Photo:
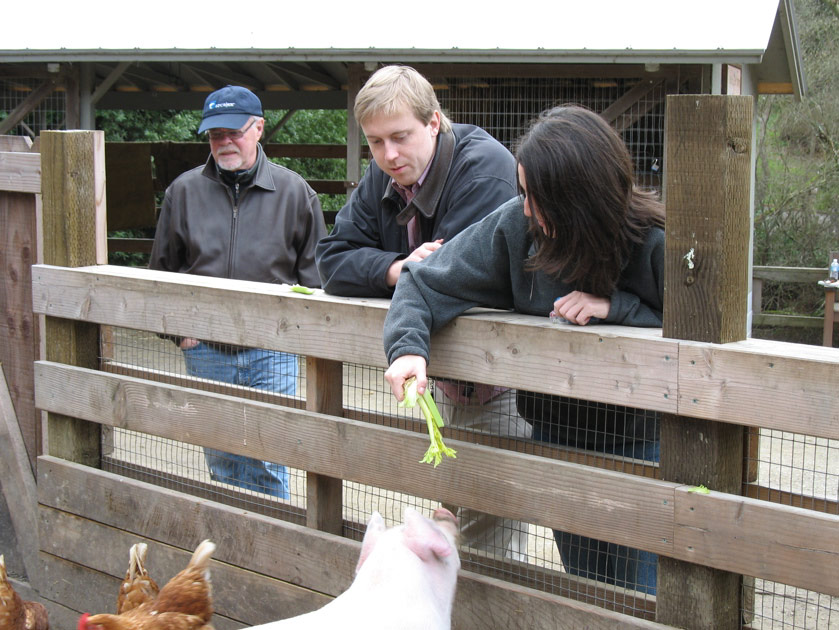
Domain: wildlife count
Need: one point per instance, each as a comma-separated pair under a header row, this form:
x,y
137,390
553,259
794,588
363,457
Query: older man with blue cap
x,y
240,216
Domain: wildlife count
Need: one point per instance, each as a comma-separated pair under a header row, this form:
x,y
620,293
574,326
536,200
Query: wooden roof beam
x,y
310,74
270,78
628,99
222,74
155,79
112,77
189,74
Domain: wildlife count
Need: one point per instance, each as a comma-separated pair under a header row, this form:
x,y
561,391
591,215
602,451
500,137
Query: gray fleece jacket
x,y
485,266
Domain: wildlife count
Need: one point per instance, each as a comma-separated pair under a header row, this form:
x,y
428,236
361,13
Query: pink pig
x,y
405,578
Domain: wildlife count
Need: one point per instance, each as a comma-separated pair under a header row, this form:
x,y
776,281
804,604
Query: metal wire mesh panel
x,y
264,487
505,107
797,470
47,115
774,606
801,471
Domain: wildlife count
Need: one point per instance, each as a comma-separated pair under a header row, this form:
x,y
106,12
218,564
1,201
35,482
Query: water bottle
x,y
834,270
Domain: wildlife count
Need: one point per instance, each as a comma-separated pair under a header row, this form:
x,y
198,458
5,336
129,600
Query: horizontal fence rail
x,y
755,383
760,383
720,530
79,505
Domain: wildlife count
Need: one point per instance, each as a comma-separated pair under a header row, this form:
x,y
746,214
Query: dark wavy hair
x,y
580,180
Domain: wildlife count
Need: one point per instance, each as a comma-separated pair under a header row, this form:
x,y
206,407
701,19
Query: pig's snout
x,y
442,514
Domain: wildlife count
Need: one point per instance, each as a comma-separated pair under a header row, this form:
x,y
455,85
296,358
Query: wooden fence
x,y
699,371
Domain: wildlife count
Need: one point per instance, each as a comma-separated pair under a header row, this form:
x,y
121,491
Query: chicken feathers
x,y
184,603
15,612
190,591
137,587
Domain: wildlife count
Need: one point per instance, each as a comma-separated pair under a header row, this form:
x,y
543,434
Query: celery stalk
x,y
433,420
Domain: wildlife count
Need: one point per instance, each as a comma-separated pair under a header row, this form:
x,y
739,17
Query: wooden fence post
x,y
324,495
20,181
73,189
707,182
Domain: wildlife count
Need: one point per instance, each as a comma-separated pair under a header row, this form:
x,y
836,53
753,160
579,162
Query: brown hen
x,y
184,603
15,612
137,587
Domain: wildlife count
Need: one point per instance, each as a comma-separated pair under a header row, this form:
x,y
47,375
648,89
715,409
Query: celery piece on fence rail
x,y
433,419
299,288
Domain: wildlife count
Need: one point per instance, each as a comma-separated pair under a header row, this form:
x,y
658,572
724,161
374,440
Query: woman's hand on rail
x,y
402,369
578,307
420,253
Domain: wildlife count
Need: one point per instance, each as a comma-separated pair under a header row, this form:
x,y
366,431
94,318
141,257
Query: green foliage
x,y
797,176
797,172
303,127
313,127
148,126
130,259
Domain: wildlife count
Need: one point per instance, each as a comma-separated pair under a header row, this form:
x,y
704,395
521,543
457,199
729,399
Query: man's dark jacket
x,y
267,234
470,176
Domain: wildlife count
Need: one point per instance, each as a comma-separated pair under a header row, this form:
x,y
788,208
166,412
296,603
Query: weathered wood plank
x,y
18,484
238,594
73,188
130,190
74,234
258,544
525,487
20,172
790,274
707,195
19,328
244,539
520,607
707,190
771,320
544,449
60,616
629,366
324,495
131,245
791,545
72,589
555,494
614,364
784,386
16,143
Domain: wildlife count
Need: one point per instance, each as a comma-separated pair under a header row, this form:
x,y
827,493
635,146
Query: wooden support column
x,y
324,495
73,189
707,182
72,99
354,74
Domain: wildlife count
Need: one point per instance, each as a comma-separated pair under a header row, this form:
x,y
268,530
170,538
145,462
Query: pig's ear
x,y
424,538
375,528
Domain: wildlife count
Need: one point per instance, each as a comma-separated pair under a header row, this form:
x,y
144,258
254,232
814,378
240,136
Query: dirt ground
x,y
792,463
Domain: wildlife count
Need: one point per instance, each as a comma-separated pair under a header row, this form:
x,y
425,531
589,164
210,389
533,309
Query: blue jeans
x,y
609,562
251,367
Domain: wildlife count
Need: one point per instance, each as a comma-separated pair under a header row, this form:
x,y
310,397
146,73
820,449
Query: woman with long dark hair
x,y
583,242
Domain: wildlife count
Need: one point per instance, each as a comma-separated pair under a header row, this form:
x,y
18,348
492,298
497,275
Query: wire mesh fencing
x,y
793,469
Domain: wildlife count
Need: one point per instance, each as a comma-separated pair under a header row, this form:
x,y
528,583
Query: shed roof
x,y
321,37
327,27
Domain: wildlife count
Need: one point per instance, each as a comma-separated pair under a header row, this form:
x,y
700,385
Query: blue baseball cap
x,y
229,108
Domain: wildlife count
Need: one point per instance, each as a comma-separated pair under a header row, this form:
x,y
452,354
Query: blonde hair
x,y
393,87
